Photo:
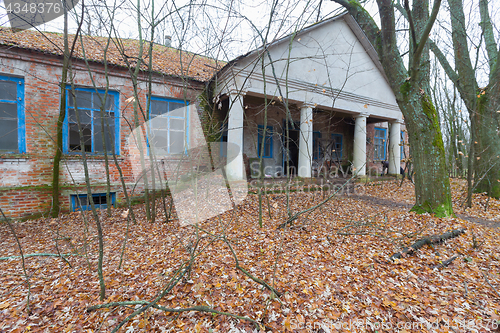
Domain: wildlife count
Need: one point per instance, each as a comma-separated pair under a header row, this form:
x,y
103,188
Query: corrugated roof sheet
x,y
166,60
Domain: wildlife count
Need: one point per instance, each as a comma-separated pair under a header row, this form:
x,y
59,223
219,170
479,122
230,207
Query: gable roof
x,y
351,22
166,60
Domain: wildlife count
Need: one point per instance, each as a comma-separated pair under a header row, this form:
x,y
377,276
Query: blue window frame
x,y
337,146
88,105
81,202
379,144
169,125
268,142
316,145
12,121
402,144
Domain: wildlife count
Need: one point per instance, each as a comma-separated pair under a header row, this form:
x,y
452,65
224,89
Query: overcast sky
x,y
223,29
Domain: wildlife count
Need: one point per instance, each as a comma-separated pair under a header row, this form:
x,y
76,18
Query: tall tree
x,y
411,87
67,54
482,103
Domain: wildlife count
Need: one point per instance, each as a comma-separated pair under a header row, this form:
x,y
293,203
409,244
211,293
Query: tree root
x,y
429,240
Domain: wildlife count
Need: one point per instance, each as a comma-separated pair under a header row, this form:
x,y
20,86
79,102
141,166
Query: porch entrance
x,y
290,148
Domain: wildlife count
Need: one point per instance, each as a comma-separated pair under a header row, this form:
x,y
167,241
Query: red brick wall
x,y
25,179
374,168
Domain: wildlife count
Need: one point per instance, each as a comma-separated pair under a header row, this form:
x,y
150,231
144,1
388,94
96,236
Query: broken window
x,y
12,128
97,113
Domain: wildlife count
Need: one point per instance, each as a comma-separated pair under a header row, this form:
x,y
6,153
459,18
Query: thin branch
x,y
489,36
410,21
255,279
425,35
199,308
296,216
488,281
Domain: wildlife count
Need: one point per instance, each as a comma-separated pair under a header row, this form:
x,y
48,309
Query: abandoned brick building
x,y
324,99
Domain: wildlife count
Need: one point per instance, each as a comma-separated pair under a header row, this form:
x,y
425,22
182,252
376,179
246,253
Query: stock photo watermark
x,y
26,14
375,324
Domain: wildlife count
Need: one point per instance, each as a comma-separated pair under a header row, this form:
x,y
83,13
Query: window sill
x,y
13,159
176,158
78,157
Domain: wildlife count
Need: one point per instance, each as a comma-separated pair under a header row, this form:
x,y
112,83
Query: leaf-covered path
x,y
332,266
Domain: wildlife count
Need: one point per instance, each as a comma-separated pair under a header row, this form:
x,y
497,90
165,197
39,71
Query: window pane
x,y
159,123
109,130
81,201
175,105
158,107
176,142
176,110
159,142
99,98
267,149
71,116
177,124
83,99
337,146
379,144
8,90
8,111
100,199
74,138
267,141
8,135
85,118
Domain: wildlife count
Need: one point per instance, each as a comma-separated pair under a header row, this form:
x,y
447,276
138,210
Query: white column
x,y
394,147
359,154
235,168
305,141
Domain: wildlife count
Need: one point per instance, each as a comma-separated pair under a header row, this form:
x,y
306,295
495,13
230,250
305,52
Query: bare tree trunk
x,y
432,187
482,104
56,207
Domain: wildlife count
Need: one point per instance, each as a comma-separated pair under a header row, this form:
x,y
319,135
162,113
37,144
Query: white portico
x,y
318,95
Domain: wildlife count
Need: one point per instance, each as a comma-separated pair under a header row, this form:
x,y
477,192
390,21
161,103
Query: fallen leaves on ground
x,y
331,265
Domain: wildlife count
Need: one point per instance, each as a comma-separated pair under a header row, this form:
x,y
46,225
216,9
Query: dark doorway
x,y
291,145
